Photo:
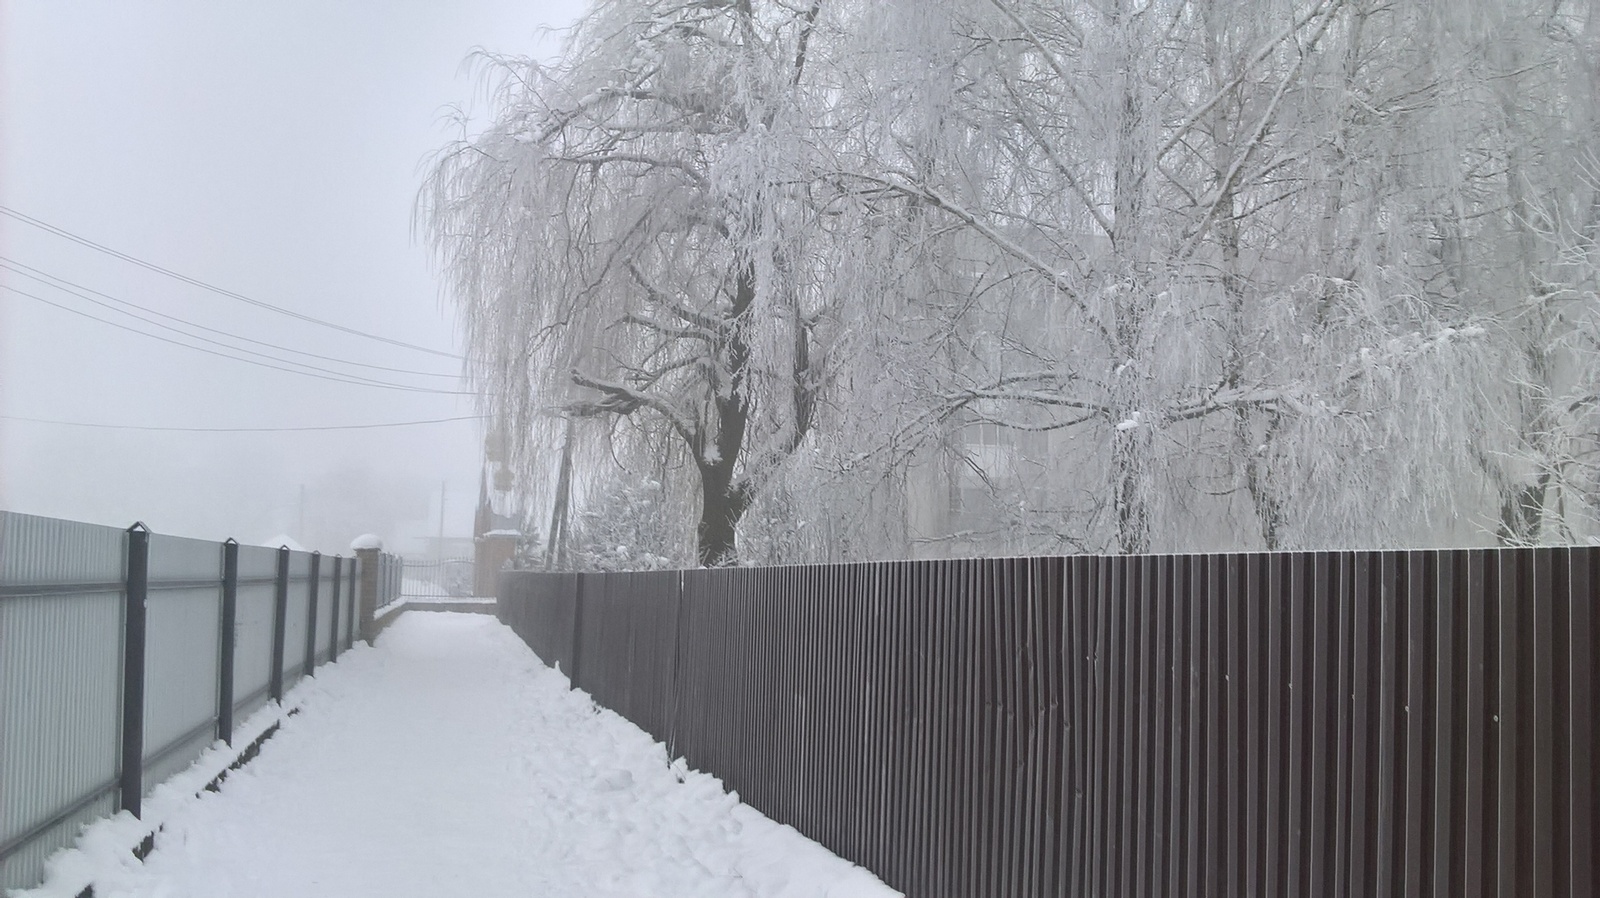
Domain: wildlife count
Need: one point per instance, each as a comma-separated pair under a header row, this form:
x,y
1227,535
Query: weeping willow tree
x,y
633,238
847,280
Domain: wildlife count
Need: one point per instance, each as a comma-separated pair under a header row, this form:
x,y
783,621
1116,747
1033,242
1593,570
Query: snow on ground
x,y
448,761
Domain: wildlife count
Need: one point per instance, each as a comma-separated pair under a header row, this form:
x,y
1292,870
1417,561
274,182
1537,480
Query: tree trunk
x,y
555,550
720,510
722,501
1522,513
1129,446
1133,513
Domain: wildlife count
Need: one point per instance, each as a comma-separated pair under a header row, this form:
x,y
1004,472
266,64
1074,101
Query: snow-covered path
x,y
448,761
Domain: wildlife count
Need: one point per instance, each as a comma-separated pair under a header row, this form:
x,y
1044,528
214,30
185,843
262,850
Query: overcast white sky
x,y
273,149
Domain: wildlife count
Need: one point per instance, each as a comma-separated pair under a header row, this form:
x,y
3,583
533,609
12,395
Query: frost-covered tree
x,y
1202,253
633,236
618,526
1559,499
1051,275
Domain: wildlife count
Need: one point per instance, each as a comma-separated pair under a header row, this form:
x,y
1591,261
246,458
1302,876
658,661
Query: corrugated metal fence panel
x,y
182,649
543,616
252,628
295,620
183,560
60,689
1288,724
35,550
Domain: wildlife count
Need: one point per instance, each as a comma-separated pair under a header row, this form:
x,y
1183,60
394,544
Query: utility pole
x,y
438,548
555,549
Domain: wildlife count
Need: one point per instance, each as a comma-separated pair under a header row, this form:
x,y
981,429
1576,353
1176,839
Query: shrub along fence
x,y
1349,723
124,654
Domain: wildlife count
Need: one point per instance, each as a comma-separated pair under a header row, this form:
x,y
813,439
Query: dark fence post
x,y
674,685
311,613
367,598
350,605
577,629
138,578
280,614
333,626
230,614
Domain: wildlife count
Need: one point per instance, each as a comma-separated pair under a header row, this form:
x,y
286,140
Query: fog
x,y
273,151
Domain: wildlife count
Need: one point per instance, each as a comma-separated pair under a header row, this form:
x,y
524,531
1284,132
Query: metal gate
x,y
449,578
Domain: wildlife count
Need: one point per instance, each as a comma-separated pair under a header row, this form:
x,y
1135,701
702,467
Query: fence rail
x,y
124,654
447,578
1406,723
390,580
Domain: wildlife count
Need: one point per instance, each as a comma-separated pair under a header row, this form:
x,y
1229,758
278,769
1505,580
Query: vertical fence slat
x,y
1539,838
971,747
1054,760
1126,670
1194,838
1160,586
1448,749
1233,688
1389,733
1276,834
949,843
1078,639
1099,779
1583,578
1146,654
904,825
1215,795
1510,719
1419,714
1177,789
1250,633
1476,850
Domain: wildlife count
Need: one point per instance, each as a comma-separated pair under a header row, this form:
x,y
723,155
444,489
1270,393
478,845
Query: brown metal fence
x,y
1350,723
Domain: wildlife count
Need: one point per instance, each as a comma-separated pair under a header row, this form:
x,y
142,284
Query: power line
x,y
352,379
343,376
336,377
196,282
151,427
72,287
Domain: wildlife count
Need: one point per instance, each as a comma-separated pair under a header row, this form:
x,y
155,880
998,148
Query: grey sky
x,y
273,149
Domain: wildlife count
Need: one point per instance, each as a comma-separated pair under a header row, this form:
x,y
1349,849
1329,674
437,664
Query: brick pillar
x,y
368,550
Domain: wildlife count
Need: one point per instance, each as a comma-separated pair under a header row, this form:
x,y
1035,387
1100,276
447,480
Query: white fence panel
x,y
60,685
